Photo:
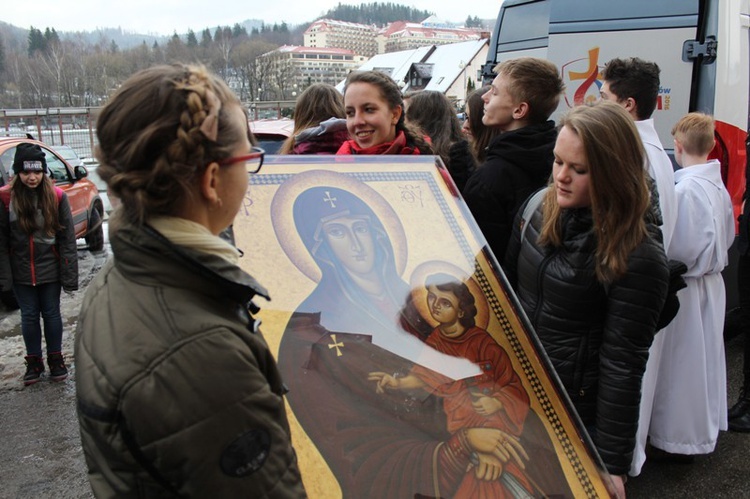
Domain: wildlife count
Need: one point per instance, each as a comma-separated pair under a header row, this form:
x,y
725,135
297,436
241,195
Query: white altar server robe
x,y
690,398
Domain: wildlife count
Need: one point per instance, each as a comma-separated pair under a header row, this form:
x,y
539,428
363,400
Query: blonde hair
x,y
618,187
151,148
695,131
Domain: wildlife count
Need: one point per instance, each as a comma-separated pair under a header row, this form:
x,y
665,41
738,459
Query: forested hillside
x,y
378,13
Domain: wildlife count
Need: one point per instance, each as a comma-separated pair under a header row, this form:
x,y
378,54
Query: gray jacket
x,y
178,393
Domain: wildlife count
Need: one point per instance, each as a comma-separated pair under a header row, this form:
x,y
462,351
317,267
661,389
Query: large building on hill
x,y
397,36
289,69
401,35
359,38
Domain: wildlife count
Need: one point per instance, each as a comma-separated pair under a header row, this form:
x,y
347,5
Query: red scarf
x,y
397,146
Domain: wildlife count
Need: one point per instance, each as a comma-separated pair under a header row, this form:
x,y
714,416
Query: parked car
x,y
69,154
85,201
92,167
271,133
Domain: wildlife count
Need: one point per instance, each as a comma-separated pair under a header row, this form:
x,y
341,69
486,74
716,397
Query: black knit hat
x,y
29,158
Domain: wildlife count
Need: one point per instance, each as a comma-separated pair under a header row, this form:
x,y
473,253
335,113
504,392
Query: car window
x,y
6,165
68,154
57,169
6,160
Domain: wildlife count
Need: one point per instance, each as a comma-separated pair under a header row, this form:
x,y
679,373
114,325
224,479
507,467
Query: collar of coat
x,y
144,255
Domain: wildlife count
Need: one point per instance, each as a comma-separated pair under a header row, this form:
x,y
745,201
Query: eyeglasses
x,y
253,161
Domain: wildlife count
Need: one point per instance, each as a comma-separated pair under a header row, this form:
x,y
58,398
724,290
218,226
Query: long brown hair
x,y
481,134
433,113
392,95
27,201
151,147
619,192
319,102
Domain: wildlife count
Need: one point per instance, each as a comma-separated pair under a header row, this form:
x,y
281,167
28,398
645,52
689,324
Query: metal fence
x,y
73,127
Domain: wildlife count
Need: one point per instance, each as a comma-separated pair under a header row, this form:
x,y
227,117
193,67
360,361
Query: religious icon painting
x,y
410,371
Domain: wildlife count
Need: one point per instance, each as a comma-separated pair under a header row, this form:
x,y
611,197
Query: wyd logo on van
x,y
583,81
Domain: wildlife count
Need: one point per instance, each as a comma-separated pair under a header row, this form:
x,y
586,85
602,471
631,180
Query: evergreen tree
x,y
238,31
113,48
51,37
192,40
206,38
37,42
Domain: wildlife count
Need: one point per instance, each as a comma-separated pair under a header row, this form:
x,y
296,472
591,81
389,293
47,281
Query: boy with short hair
x,y
524,94
634,84
690,402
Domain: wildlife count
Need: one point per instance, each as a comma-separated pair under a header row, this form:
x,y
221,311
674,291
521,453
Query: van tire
x,y
95,235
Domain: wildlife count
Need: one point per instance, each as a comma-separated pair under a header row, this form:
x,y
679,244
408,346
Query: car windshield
x,y
67,153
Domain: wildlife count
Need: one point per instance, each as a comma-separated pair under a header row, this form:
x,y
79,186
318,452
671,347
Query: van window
x,y
595,15
524,26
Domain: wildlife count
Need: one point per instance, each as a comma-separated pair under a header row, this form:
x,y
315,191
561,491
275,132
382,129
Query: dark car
x,y
271,133
85,202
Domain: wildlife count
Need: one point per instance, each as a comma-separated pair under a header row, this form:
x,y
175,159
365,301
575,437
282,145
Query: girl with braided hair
x,y
375,117
178,393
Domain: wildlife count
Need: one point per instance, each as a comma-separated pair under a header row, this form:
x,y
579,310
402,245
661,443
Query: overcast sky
x,y
164,17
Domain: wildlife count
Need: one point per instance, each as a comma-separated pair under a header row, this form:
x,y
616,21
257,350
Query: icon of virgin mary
x,y
357,320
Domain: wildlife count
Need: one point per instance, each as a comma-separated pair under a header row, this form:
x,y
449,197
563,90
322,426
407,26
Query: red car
x,y
83,195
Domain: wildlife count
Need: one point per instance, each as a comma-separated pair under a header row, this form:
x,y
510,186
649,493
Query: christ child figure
x,y
495,398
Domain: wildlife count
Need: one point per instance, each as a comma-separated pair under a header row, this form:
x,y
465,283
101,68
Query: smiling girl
x,y
375,117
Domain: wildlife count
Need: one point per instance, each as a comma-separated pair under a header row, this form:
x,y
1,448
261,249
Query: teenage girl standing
x,y
375,117
38,257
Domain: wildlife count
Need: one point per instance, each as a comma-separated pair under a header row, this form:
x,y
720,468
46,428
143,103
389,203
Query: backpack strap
x,y
5,196
531,205
59,193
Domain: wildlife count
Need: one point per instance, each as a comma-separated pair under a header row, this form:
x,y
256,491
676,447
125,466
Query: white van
x,y
701,46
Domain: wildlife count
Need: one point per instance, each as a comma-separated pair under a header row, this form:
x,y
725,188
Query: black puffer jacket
x,y
518,163
597,339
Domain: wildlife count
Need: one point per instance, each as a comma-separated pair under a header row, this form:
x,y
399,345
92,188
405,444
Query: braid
x,y
151,144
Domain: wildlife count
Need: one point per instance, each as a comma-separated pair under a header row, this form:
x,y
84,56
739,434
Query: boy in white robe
x,y
690,396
